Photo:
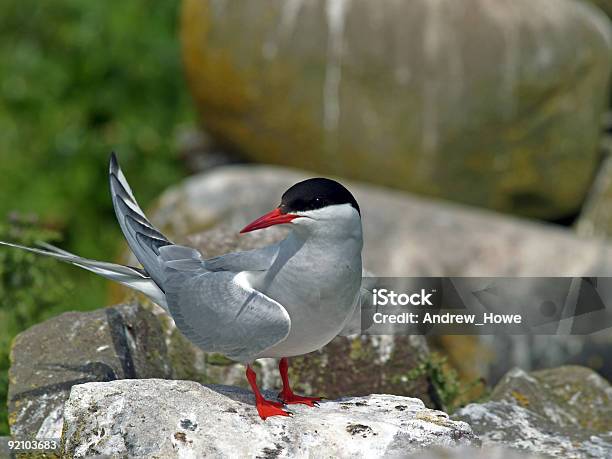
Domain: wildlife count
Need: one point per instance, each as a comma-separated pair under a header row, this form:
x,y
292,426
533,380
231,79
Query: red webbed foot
x,y
287,395
289,398
265,408
268,408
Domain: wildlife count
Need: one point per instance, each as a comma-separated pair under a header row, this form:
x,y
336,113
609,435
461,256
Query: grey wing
x,y
252,260
143,238
219,311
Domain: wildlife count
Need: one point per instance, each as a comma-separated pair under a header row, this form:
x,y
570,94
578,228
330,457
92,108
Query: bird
x,y
280,301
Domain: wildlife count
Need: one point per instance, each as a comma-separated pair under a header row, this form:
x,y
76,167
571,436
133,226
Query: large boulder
x,y
488,103
158,418
124,341
562,412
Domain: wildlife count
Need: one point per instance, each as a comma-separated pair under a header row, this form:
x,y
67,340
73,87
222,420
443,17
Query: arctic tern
x,y
283,300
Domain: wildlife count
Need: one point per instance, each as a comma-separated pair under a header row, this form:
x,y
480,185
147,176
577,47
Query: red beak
x,y
275,217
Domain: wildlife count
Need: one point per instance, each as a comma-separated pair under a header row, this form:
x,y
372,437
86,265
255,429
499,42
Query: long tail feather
x,y
134,278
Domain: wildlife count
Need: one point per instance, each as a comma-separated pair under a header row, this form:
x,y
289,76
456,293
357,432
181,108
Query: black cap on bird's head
x,y
308,195
316,193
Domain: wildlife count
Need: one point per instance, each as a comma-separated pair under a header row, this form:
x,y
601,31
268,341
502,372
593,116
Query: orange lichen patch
x,y
520,398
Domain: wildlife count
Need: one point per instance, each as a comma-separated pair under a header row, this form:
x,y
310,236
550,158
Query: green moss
x,y
218,359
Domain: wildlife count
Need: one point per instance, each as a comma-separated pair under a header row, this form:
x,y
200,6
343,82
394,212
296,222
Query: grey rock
x,y
198,152
562,412
159,418
118,342
5,451
514,426
484,102
224,238
572,397
404,235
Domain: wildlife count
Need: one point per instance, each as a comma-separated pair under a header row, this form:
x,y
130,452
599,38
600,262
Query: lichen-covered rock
x,y
47,359
562,412
493,108
570,396
158,418
517,427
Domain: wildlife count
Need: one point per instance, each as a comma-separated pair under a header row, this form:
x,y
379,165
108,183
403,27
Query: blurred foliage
x,y
79,79
30,291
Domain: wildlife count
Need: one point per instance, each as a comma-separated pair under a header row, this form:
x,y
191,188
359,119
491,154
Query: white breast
x,y
317,280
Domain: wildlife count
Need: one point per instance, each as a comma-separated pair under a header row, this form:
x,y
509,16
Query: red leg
x,y
287,395
265,408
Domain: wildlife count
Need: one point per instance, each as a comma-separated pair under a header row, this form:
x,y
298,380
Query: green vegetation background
x,y
79,79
